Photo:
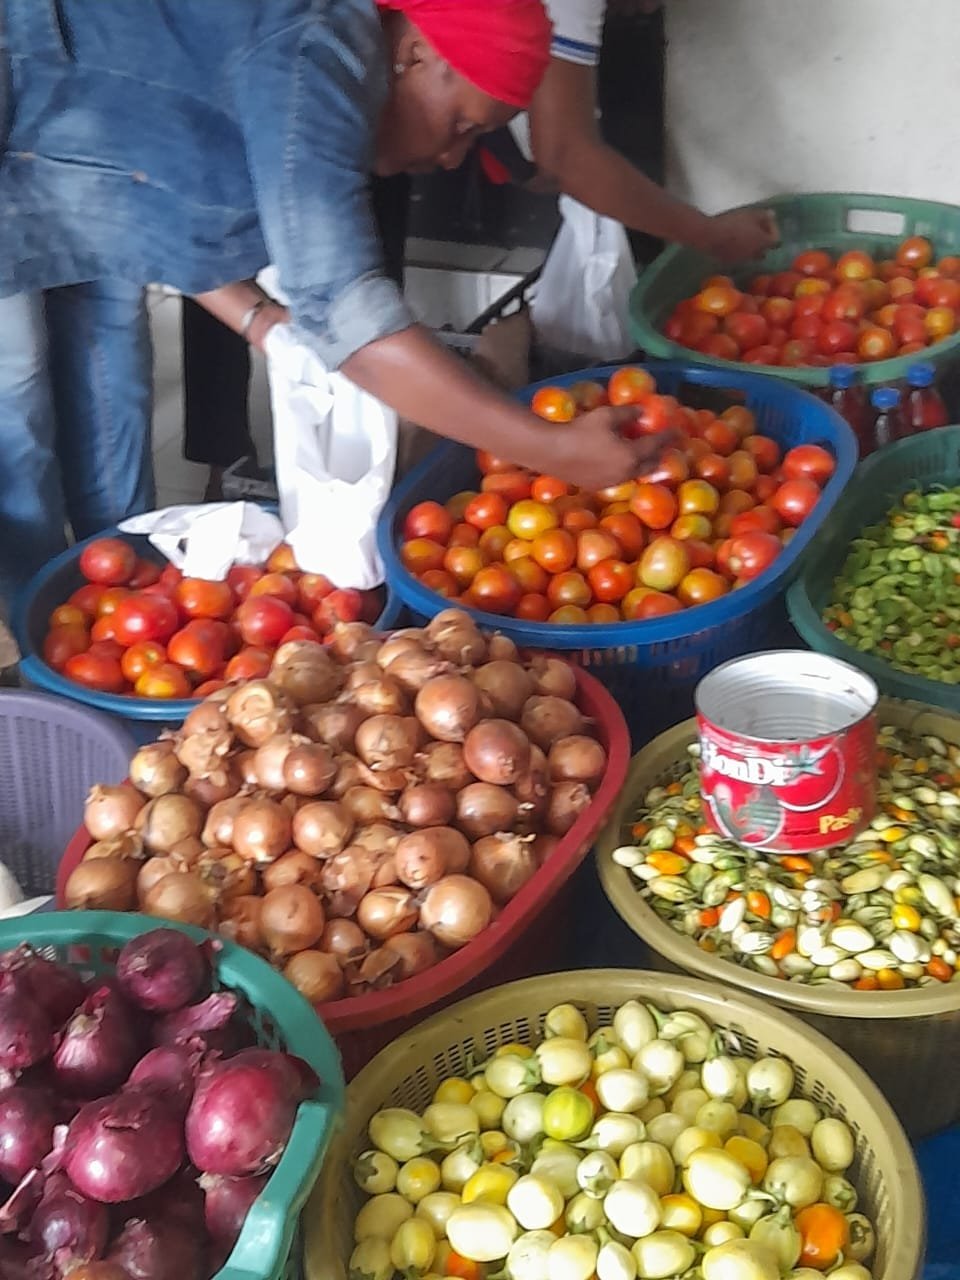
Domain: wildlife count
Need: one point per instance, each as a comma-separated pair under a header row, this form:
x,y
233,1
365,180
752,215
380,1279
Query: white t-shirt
x,y
577,34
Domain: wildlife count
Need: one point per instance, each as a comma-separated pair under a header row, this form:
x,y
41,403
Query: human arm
x,y
569,149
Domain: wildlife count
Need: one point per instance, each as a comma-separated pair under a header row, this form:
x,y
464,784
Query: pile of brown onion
x,y
355,817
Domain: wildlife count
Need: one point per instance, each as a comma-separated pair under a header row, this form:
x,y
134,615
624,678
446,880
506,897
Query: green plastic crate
x,y
836,221
877,485
269,1245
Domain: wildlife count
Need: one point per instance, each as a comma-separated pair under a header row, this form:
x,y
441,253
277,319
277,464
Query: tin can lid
x,y
785,695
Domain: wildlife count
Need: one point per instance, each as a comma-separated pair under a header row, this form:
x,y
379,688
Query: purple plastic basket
x,y
51,754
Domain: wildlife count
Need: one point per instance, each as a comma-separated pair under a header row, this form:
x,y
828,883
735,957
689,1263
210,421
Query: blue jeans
x,y
76,396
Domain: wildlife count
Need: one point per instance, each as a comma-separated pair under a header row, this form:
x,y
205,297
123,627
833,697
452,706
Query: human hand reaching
x,y
742,234
593,454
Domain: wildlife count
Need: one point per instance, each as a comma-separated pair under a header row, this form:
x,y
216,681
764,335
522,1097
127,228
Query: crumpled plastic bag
x,y
205,541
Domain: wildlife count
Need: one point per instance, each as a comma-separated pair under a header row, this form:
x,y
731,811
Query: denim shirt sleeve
x,y
309,94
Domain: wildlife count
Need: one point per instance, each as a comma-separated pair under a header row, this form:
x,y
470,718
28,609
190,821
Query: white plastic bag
x,y
335,449
580,304
204,541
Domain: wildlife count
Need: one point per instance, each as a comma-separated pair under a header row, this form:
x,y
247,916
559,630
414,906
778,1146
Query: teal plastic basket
x,y
269,1245
835,221
878,484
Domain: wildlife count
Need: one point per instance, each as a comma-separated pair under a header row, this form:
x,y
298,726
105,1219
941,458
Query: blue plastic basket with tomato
x,y
650,666
50,588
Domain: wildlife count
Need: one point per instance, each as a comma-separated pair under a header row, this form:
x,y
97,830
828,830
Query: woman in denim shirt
x,y
191,142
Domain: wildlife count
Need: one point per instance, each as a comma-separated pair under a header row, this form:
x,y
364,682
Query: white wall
x,y
774,96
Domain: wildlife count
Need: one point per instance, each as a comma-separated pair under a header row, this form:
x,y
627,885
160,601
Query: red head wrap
x,y
501,46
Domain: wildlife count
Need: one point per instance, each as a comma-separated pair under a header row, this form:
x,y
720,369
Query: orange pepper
x,y
759,904
784,943
890,980
684,845
668,864
825,1233
796,862
708,917
868,982
939,969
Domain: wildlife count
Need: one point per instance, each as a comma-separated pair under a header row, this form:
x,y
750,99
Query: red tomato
x,y
170,577
602,613
530,577
794,500
721,346
248,664
197,649
721,437
846,302
751,553
736,500
837,335
548,489
746,330
813,262
64,642
495,589
743,471
421,555
777,311
143,617
109,561
714,469
487,462
486,511
915,252
464,563
209,686
512,485
282,559
241,577
555,550
87,598
766,354
300,633
875,343
103,629
200,598
311,589
796,353
264,619
569,588
694,328
110,599
855,265
277,585
761,518
806,327
493,541
440,581
141,657
569,615
765,452
343,605
68,615
909,323
555,404
145,574
95,671
653,604
654,505
809,462
630,385
533,607
593,546
588,395
628,531
700,586
671,469
165,681
464,535
610,580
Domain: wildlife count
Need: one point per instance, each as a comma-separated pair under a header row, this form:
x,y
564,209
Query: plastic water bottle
x,y
924,407
888,425
847,396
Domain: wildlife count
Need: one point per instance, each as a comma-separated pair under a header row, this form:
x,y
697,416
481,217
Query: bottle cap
x,y
843,376
885,398
921,374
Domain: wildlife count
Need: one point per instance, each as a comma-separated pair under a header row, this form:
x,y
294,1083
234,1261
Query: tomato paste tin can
x,y
787,750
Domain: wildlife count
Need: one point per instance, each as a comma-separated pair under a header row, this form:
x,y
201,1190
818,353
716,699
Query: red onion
x,y
206,1020
18,1263
26,1131
125,1146
226,1205
298,1077
97,1048
241,1115
69,1228
172,1070
157,1248
55,987
26,1036
162,970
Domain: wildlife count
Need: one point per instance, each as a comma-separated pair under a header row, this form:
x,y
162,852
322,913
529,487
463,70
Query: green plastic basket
x,y
877,485
269,1246
836,221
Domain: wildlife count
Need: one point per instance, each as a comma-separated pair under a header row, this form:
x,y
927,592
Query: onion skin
x,y
257,710
228,1135
385,912
380,696
367,804
414,668
448,707
497,751
269,760
291,920
399,642
378,837
240,922
333,724
547,719
503,865
454,635
305,672
417,951
203,1022
485,810
156,771
183,897
316,975
106,884
345,940
98,1047
348,637
322,828
66,1225
427,804
227,1201
26,1131
388,741
167,820
456,910
222,784
506,685
128,845
56,987
208,717
421,857
442,762
218,827
347,877
552,677
154,870
162,970
577,759
262,830
123,1147
309,769
567,801
110,811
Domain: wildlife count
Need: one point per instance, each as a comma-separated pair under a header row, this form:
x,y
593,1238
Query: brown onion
x,y
128,845
388,742
384,912
222,784
269,759
316,975
385,874
501,649
188,851
577,759
291,920
103,884
110,811
421,858
367,804
345,940
204,753
543,847
305,671
183,897
167,820
383,779
322,828
154,870
547,719
240,922
455,910
218,828
155,770
453,635
448,707
497,751
399,642
209,717
382,696
335,724
417,952
427,804
347,877
376,972
257,710
294,867
350,773
506,685
533,786
443,762
503,865
244,763
359,674
413,668
567,801
484,810
348,637
552,677
309,769
227,873
261,830
378,837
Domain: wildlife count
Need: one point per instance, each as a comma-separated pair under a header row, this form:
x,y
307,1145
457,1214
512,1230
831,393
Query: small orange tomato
x,y
949,267
555,404
282,560
655,505
940,322
141,657
600,613
458,504
741,419
103,629
657,413
493,540
549,489
618,492
825,1233
701,585
488,462
277,585
421,554
875,343
443,583
252,663
164,681
630,604
578,519
915,252
691,526
630,385
570,587
721,437
69,615
427,520
765,488
533,607
530,577
528,518
486,510
610,580
512,485
628,531
555,550
464,563
464,535
698,498
717,299
734,501
569,615
588,395
594,545
743,470
657,604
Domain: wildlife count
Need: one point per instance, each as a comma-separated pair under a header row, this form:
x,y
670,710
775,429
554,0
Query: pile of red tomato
x,y
826,310
712,515
137,628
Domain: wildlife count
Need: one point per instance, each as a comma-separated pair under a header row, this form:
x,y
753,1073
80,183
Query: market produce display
x,y
898,593
826,309
881,913
712,515
138,1125
359,815
139,629
652,1148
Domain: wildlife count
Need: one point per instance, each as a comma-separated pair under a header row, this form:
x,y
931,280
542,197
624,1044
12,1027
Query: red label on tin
x,y
788,797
